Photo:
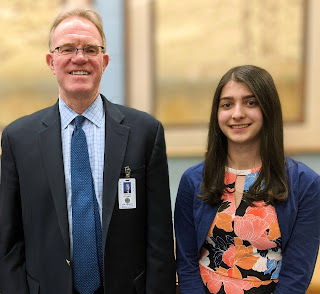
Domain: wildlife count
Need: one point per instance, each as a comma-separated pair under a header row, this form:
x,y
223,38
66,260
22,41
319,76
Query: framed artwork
x,y
194,50
177,53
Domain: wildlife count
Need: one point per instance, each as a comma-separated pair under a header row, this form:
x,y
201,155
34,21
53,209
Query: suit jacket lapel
x,y
115,147
51,147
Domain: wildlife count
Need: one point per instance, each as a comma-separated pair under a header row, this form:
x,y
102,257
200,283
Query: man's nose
x,y
79,55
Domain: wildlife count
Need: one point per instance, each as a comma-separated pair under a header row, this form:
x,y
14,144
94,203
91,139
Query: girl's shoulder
x,y
194,173
297,170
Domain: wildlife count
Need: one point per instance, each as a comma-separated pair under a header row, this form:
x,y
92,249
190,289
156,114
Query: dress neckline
x,y
242,172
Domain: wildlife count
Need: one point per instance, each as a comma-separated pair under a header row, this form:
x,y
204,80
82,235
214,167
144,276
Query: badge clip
x,y
127,171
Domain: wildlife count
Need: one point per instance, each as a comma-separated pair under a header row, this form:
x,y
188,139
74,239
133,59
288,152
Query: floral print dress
x,y
242,251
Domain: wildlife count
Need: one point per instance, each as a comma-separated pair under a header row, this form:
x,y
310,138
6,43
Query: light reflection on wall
x,y
26,82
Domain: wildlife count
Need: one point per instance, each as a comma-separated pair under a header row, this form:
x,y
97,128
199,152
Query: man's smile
x,y
79,73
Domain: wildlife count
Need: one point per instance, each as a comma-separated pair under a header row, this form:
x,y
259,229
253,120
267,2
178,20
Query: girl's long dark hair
x,y
271,185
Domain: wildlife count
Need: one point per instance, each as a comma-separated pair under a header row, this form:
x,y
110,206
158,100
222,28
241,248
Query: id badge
x,y
127,193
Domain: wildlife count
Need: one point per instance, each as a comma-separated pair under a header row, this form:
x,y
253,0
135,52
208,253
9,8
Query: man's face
x,y
77,75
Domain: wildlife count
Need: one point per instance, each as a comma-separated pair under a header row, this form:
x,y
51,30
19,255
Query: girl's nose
x,y
238,112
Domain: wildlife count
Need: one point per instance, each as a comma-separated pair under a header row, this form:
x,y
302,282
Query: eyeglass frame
x,y
77,49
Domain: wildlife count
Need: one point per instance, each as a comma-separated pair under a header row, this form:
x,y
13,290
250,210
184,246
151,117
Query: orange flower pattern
x,y
242,251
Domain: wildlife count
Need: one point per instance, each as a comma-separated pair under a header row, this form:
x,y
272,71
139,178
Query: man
x,y
127,246
128,190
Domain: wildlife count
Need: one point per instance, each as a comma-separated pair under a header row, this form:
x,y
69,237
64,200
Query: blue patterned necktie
x,y
87,233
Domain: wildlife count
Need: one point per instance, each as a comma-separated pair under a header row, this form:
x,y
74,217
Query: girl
x,y
247,218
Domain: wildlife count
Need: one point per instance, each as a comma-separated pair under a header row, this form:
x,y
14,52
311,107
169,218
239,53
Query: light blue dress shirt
x,y
94,128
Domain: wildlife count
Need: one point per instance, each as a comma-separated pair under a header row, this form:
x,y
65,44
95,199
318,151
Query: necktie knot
x,y
79,121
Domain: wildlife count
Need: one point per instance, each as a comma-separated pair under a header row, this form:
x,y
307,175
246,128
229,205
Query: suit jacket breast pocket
x,y
136,172
139,175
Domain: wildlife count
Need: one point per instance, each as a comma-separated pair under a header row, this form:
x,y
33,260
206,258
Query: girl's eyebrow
x,y
249,96
244,97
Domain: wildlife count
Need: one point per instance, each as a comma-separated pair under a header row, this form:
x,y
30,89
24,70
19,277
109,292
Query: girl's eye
x,y
252,103
225,105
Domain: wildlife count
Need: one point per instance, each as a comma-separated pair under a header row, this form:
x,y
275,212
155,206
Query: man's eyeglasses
x,y
88,51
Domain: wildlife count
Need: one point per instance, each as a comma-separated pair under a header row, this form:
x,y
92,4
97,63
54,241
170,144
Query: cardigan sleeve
x,y
190,281
300,253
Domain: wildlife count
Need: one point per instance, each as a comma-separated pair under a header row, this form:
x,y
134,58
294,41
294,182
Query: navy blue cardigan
x,y
299,221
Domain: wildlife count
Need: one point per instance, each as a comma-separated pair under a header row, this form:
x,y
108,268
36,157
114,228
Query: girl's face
x,y
239,114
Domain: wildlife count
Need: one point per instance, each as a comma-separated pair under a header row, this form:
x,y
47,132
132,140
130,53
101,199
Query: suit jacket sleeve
x,y
160,276
190,281
12,247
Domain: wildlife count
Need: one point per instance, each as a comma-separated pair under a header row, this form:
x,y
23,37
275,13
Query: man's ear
x,y
105,61
50,62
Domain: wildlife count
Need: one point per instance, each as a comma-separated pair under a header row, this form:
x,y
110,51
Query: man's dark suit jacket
x,y
34,231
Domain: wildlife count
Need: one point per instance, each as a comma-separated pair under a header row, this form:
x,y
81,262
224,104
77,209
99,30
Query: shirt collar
x,y
94,113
